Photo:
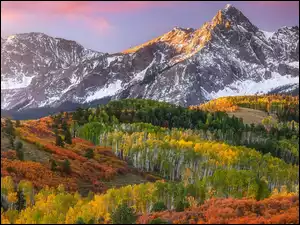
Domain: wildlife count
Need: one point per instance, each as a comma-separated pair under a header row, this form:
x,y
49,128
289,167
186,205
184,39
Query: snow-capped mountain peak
x,y
226,56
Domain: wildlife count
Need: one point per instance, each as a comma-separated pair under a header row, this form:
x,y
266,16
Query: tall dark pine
x,y
68,137
21,203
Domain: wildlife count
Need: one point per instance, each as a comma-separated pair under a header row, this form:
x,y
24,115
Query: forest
x,y
201,165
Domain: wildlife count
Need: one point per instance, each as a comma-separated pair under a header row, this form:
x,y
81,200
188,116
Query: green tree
x,y
9,127
21,202
59,141
9,131
104,117
180,206
64,125
53,165
11,142
19,151
89,153
18,145
74,128
79,221
158,206
18,123
158,221
114,120
97,111
263,190
123,215
66,166
20,155
68,136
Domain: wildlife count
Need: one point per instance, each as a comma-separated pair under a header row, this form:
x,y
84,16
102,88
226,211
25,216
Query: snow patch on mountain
x,y
141,75
250,87
16,82
294,64
111,59
49,101
109,90
268,34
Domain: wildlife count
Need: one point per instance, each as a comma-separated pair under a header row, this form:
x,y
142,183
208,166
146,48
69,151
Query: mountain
x,y
226,56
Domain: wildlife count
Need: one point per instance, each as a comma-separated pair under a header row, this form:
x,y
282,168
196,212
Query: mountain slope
x,y
227,56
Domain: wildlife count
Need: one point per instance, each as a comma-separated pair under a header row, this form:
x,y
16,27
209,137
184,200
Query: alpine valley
x,y
226,56
193,127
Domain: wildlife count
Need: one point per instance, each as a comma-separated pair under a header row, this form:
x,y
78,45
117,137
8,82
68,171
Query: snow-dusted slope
x,y
226,56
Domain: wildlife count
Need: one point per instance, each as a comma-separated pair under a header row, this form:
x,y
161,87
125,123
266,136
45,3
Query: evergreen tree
x,y
158,206
18,145
9,131
97,113
68,137
19,151
66,166
158,221
263,190
123,215
21,202
58,139
74,128
53,165
11,142
18,123
89,153
180,206
64,125
114,120
80,221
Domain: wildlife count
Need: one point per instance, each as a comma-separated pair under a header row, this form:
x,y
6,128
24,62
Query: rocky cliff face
x,y
227,56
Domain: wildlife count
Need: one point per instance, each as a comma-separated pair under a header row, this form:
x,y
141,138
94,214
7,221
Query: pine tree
x,y
64,125
59,141
18,145
11,142
158,221
80,221
158,206
66,166
68,137
9,131
20,153
18,123
123,215
89,153
53,165
97,111
21,203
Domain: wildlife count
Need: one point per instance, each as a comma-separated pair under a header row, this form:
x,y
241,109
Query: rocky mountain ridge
x,y
226,56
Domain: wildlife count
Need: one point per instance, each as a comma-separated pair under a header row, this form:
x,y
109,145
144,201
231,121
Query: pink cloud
x,y
87,12
83,7
10,15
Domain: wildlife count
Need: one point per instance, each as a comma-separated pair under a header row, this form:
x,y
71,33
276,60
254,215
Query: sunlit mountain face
x,y
226,56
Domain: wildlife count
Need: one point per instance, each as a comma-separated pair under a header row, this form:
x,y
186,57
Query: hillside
x,y
150,160
40,153
253,109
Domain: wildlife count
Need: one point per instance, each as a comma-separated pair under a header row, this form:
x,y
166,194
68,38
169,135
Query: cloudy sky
x,y
116,26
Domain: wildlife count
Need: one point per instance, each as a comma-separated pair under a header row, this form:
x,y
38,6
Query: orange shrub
x,y
273,210
36,173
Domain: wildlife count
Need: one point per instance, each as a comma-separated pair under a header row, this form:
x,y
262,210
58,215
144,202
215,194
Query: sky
x,y
116,26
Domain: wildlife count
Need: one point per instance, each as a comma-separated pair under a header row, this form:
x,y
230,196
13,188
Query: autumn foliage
x,y
267,103
273,210
104,166
36,173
